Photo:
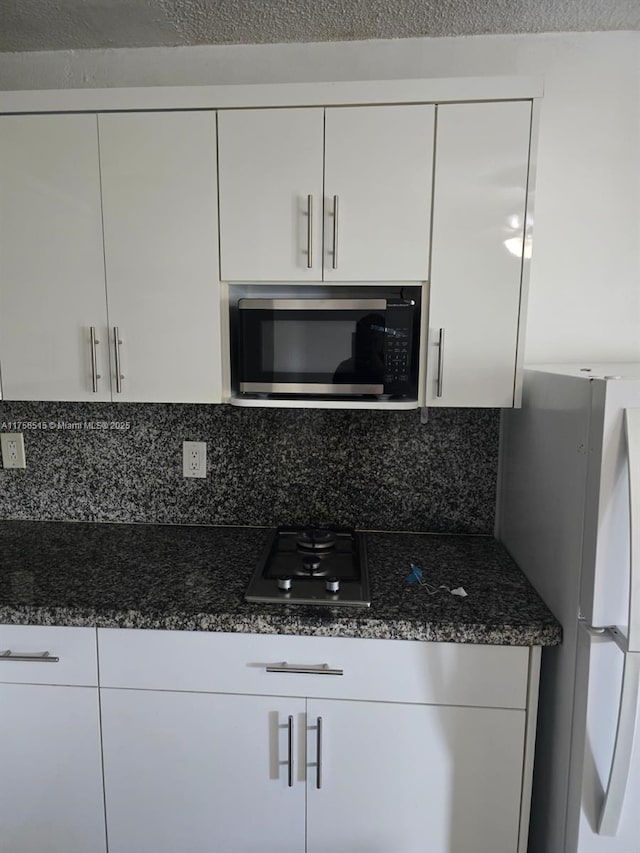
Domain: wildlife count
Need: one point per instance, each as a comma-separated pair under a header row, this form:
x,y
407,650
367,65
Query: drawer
x,y
71,659
375,670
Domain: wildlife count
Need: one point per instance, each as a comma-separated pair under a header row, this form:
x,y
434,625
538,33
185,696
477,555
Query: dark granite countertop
x,y
193,578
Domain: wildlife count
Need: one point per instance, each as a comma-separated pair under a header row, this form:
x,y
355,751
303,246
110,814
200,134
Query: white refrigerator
x,y
569,514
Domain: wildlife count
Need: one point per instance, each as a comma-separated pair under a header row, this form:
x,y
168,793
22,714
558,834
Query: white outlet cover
x,y
12,444
194,459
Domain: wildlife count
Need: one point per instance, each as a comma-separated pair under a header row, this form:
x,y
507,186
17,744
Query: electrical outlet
x,y
194,458
12,444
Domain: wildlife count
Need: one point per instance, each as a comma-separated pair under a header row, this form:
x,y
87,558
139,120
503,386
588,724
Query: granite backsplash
x,y
377,470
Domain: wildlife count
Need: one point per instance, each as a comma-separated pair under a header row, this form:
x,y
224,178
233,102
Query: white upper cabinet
x,y
152,334
342,194
378,172
480,194
52,289
116,230
271,194
159,200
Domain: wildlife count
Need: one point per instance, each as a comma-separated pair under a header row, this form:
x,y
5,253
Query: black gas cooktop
x,y
312,565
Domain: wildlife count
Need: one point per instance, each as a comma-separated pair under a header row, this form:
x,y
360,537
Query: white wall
x,y
585,279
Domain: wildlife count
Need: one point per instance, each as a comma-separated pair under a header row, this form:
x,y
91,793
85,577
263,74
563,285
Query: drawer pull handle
x,y
290,750
304,669
40,657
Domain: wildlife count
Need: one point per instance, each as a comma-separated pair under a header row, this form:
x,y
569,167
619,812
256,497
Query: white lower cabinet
x,y
195,772
239,743
51,794
51,778
413,778
219,742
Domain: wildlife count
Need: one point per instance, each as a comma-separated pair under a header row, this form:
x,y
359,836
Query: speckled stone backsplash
x,y
373,469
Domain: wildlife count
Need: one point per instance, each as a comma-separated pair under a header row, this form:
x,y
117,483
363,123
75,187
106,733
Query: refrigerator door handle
x,y
632,432
625,735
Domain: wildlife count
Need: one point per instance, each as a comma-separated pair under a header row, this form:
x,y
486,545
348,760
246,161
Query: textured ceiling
x,y
76,24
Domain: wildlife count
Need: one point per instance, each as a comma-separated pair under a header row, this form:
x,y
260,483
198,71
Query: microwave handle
x,y
312,304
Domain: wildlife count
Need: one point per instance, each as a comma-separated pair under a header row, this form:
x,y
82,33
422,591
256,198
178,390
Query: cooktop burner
x,y
316,539
312,565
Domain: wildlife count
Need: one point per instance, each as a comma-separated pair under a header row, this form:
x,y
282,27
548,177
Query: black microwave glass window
x,y
303,347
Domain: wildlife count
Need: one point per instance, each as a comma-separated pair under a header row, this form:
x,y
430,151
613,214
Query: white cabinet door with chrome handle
x,y
159,202
51,793
53,311
336,194
255,743
109,257
480,248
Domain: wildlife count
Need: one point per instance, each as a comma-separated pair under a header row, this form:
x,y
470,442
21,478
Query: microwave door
x,y
333,347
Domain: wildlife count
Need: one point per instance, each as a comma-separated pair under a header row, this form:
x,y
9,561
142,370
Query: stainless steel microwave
x,y
346,344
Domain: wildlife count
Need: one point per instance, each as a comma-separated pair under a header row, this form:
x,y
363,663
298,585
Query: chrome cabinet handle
x,y
334,263
319,752
309,232
440,363
290,750
94,359
304,669
116,350
37,657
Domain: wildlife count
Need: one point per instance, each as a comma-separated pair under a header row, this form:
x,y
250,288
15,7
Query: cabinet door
x,y
271,194
378,173
161,236
195,772
414,778
478,228
51,259
51,795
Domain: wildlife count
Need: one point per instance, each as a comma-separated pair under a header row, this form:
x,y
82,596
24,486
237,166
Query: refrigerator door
x,y
540,520
604,780
606,566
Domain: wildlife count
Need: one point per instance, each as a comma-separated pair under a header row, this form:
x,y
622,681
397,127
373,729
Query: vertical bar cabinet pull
x,y
440,363
116,350
290,750
334,263
309,232
94,359
319,753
